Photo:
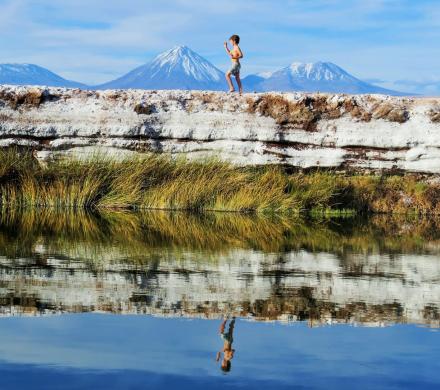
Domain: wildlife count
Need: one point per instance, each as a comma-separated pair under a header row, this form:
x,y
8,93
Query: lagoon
x,y
135,300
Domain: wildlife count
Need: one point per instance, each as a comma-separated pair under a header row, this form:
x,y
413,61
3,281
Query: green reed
x,y
159,182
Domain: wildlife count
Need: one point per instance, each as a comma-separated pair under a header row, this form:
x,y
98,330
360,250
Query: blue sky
x,y
392,42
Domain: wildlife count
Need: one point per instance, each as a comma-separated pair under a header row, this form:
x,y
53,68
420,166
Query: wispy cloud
x,y
423,87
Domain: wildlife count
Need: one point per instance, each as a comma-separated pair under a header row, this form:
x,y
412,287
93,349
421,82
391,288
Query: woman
x,y
236,54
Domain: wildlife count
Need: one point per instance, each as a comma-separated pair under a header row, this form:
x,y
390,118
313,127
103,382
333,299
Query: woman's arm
x,y
227,49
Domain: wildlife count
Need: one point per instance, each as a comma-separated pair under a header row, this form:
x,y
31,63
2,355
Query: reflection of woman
x,y
228,352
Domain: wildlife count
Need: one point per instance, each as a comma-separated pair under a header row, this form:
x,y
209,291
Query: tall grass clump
x,y
160,182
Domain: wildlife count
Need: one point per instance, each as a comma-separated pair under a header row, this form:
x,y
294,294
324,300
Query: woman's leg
x,y
228,79
240,87
222,326
231,327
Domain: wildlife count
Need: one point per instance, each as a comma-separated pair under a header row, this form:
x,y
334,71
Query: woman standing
x,y
236,54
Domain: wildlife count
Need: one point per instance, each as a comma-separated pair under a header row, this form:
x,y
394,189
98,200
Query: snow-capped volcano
x,y
311,77
320,71
29,74
178,68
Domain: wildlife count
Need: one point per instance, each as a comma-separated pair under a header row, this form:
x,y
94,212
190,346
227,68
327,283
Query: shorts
x,y
227,337
235,69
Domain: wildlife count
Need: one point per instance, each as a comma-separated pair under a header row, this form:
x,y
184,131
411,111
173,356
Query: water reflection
x,y
228,339
373,272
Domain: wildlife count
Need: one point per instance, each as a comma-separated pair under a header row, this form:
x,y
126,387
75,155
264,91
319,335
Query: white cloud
x,y
95,40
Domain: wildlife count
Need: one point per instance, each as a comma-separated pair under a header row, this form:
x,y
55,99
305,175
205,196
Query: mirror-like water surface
x,y
296,287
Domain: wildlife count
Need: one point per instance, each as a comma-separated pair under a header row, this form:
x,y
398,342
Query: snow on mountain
x,y
182,68
264,75
29,74
311,77
178,68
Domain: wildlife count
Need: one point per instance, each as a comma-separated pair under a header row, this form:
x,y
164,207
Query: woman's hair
x,y
235,39
226,367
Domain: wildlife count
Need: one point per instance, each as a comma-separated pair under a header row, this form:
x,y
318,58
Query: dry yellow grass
x,y
158,182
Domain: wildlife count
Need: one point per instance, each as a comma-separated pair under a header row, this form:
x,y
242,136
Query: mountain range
x,y
182,68
29,74
311,77
178,68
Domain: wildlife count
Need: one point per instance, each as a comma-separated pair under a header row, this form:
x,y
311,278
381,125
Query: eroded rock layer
x,y
303,130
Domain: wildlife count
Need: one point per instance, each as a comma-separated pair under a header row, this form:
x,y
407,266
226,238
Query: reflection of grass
x,y
148,235
156,181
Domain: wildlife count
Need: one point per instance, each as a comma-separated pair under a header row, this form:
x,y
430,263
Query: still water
x,y
126,300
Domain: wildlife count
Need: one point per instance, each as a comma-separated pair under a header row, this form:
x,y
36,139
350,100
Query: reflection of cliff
x,y
291,286
64,272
